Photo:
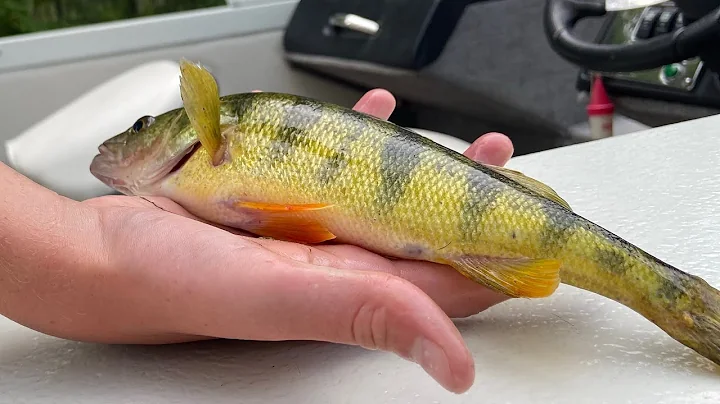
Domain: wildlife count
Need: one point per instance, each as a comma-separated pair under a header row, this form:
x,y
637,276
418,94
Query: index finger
x,y
378,103
491,148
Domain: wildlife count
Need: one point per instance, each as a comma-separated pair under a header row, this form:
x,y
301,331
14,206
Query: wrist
x,y
45,240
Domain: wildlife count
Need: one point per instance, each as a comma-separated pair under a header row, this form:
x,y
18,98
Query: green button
x,y
670,70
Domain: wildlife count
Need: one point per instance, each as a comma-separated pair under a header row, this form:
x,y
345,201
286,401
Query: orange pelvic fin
x,y
287,222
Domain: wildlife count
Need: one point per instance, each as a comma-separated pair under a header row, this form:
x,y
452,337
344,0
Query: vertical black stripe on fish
x,y
640,267
612,259
298,119
337,160
245,109
398,160
672,284
613,253
559,227
240,105
482,191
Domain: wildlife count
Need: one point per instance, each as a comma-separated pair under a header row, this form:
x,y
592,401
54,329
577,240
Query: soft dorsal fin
x,y
533,184
201,100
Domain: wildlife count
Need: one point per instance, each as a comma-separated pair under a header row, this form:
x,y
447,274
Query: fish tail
x,y
683,305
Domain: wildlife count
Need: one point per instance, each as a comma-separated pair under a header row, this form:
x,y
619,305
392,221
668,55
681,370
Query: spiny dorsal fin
x,y
201,100
533,184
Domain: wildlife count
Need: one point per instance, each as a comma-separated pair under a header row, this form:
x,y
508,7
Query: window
x,y
43,32
26,16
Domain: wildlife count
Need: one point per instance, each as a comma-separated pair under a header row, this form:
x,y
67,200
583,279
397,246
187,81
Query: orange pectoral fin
x,y
287,222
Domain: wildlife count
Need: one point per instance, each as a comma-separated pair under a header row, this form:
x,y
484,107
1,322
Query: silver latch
x,y
354,22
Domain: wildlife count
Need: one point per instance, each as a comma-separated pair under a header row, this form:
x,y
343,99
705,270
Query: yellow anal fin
x,y
201,100
533,184
285,222
514,277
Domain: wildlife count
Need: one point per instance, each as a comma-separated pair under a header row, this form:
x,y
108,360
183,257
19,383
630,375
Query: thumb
x,y
275,298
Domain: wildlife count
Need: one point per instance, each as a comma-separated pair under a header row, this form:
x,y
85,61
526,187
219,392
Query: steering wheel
x,y
702,34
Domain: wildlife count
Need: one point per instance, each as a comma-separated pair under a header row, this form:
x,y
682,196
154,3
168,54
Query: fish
x,y
297,169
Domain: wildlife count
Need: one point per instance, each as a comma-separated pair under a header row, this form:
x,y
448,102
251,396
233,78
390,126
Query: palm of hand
x,y
176,278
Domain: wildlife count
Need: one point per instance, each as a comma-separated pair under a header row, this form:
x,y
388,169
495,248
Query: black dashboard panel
x,y
687,82
489,67
405,34
495,72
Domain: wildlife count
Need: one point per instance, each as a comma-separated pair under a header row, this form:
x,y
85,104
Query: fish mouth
x,y
104,149
106,168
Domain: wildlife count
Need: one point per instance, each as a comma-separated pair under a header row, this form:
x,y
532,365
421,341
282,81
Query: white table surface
x,y
659,189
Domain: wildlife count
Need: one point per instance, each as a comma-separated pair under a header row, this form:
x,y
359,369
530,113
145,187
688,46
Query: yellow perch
x,y
297,169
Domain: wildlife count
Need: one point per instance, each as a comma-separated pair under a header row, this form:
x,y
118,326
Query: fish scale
x,y
302,170
378,181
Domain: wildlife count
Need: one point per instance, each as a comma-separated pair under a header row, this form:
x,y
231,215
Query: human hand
x,y
165,276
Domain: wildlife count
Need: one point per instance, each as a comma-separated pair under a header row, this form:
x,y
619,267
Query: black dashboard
x,y
465,67
686,82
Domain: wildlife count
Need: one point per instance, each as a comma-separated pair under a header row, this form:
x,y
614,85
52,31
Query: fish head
x,y
135,161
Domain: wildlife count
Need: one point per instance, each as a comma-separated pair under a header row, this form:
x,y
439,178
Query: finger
x,y
456,295
274,298
167,205
491,148
378,102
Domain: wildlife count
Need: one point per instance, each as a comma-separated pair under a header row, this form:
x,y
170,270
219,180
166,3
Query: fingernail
x,y
432,359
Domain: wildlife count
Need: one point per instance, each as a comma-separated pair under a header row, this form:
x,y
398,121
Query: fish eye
x,y
142,123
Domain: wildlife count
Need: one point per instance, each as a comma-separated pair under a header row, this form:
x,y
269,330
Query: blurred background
x,y
457,67
22,16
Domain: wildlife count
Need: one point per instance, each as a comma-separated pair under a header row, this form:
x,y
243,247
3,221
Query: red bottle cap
x,y
600,103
